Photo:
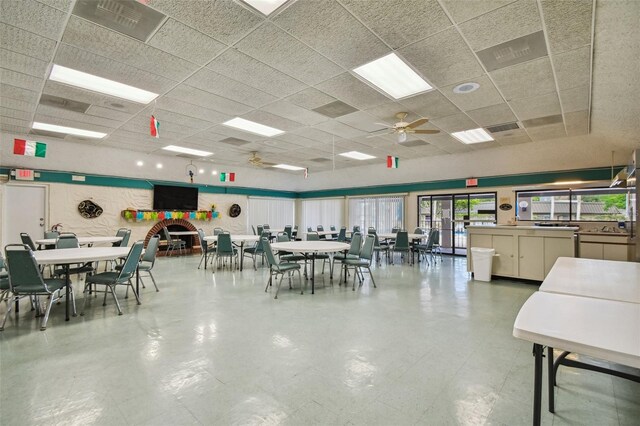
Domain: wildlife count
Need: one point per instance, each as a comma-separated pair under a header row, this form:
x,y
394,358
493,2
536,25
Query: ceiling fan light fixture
x,y
471,136
402,137
392,76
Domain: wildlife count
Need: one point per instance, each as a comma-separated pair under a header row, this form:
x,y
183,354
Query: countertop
x,y
541,228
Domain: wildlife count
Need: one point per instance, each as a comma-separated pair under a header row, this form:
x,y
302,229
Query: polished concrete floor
x,y
428,346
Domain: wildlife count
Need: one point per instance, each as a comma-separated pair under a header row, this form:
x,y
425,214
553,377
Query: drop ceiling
x,y
211,61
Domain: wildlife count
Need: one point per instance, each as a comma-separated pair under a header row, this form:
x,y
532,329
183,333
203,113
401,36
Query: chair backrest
x,y
436,237
356,228
49,235
418,231
131,262
203,244
287,230
23,269
342,236
167,236
402,240
371,230
309,229
217,230
356,243
260,229
395,230
268,252
312,236
125,238
253,228
282,238
26,239
266,226
294,233
119,233
151,250
224,244
66,241
332,228
367,247
320,228
266,234
431,239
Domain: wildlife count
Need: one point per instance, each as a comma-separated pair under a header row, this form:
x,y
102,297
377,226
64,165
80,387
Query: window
x,y
594,204
276,212
322,212
383,213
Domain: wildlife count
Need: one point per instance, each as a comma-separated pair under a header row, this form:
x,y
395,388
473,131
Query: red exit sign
x,y
472,183
24,174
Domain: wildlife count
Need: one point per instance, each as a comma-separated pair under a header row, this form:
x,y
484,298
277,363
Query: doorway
x,y
25,210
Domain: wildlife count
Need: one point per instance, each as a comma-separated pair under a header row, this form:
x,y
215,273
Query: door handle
x,y
42,221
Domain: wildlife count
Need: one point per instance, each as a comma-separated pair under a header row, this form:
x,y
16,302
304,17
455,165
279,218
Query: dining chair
x,y
50,235
206,249
173,243
287,256
147,261
68,240
401,246
425,250
342,235
120,233
256,250
4,281
266,226
217,230
260,229
112,279
277,268
26,239
225,249
25,280
288,230
353,253
334,232
320,228
379,247
364,261
294,233
313,236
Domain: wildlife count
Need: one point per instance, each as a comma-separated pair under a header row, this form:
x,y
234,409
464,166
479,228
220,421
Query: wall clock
x,y
235,210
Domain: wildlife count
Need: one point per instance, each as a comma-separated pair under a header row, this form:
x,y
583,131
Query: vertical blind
x,y
322,212
276,212
383,213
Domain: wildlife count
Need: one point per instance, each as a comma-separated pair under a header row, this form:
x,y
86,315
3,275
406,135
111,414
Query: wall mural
x,y
89,210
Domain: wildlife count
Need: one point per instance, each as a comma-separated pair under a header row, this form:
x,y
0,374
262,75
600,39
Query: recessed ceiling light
x,y
288,167
159,166
214,172
393,76
265,6
189,151
463,88
472,136
139,163
68,130
102,85
201,171
357,155
253,127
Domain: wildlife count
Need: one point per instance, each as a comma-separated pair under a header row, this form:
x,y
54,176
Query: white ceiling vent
x,y
64,103
128,17
514,51
335,109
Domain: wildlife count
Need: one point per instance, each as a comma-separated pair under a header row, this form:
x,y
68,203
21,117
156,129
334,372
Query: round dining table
x,y
312,249
236,238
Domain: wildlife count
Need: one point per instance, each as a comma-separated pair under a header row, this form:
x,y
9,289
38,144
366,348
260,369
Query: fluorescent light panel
x,y
357,155
183,150
102,85
253,127
288,167
68,130
478,135
265,6
393,76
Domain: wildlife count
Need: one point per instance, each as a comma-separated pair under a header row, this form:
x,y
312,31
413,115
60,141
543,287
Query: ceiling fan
x,y
256,161
401,128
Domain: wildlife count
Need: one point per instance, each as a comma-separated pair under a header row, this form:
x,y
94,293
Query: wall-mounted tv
x,y
174,198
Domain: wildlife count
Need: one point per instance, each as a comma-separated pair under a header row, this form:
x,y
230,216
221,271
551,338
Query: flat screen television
x,y
174,198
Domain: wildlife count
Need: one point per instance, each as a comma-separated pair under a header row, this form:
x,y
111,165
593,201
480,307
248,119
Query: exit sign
x,y
472,183
24,174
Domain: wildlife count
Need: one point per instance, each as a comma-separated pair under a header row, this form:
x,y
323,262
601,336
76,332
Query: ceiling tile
x,y
63,5
93,98
361,120
226,21
10,128
208,100
184,42
352,91
59,113
25,81
335,32
218,84
72,123
525,80
276,48
394,25
568,23
17,104
26,43
576,99
173,117
573,68
101,41
431,105
310,98
506,23
455,123
295,113
8,121
250,71
315,134
22,63
191,110
226,131
577,123
464,10
32,16
341,130
272,120
112,114
298,140
537,106
443,58
14,113
543,133
491,115
514,140
485,95
18,93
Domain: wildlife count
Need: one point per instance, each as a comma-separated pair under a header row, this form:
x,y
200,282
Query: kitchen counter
x,y
542,228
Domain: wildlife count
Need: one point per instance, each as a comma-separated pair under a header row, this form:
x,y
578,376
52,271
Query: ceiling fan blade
x,y
425,132
418,122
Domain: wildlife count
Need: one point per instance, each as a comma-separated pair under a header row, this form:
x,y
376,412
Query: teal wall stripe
x,y
602,173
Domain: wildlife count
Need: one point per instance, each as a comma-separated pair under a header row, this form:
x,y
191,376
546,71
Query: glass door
x,y
442,219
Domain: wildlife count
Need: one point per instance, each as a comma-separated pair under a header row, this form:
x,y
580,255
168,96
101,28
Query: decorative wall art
x,y
89,210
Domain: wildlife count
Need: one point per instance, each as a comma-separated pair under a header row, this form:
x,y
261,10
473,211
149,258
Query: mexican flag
x,y
392,162
227,177
30,148
154,127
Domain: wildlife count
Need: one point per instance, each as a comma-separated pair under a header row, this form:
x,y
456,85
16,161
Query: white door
x,y
24,211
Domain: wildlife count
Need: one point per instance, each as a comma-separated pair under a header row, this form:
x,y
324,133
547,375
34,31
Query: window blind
x,y
325,212
383,213
276,212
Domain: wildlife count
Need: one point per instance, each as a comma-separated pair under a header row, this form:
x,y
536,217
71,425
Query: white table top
x,y
323,232
311,246
411,236
79,255
604,329
234,237
600,279
178,233
81,240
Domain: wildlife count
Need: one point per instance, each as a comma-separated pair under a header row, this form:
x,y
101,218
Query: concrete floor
x,y
428,346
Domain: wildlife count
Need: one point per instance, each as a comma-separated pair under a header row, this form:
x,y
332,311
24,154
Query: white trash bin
x,y
482,262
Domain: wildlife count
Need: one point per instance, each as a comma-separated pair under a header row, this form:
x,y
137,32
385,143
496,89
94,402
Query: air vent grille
x,y
320,160
514,51
64,103
234,141
542,121
503,127
335,109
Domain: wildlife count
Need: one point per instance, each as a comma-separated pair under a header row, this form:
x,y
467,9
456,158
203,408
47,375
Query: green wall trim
x,y
51,176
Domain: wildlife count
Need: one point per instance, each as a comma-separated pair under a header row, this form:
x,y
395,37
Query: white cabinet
x,y
531,257
503,263
605,247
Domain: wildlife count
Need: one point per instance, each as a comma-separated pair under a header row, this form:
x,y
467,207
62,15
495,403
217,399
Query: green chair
x,y
173,243
25,280
288,230
26,239
121,233
50,235
276,268
256,250
225,249
342,236
379,247
313,236
320,228
147,261
425,250
289,257
217,230
4,281
401,246
206,249
112,279
353,253
366,255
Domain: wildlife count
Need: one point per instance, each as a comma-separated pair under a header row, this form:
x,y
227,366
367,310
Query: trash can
x,y
482,262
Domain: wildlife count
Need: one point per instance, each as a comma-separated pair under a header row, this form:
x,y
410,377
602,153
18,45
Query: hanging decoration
x,y
154,127
306,173
191,171
392,162
227,177
29,148
133,215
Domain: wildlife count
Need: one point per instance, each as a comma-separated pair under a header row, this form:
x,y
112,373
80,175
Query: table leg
x,y
537,383
313,271
138,280
66,298
241,255
551,379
